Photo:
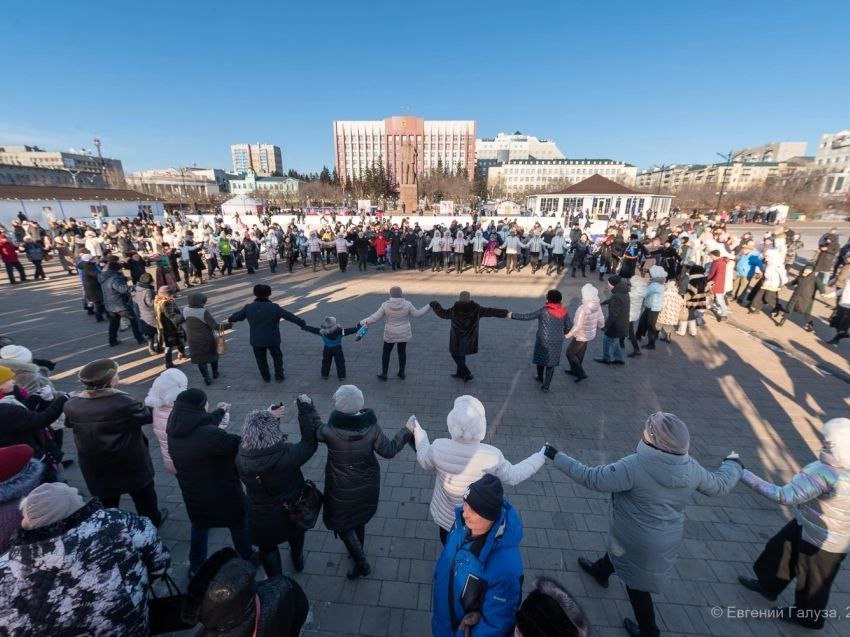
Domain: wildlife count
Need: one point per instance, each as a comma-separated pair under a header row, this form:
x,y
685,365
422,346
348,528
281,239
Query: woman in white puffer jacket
x,y
160,399
463,459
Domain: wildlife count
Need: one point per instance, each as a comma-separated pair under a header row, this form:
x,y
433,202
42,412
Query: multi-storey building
x,y
833,160
773,151
263,159
251,183
359,145
735,176
197,183
525,174
31,165
503,148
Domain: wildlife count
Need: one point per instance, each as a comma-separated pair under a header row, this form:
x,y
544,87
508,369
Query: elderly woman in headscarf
x,y
352,472
270,468
160,399
812,546
650,489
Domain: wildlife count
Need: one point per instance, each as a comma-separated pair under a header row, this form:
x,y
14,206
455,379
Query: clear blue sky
x,y
171,83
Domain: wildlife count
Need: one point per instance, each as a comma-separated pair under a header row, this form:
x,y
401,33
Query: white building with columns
x,y
599,198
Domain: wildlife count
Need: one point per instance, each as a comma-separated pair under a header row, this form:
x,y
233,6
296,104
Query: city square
x,y
742,385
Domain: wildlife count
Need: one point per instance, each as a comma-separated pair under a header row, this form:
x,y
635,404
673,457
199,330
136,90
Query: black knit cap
x,y
486,497
614,279
262,291
194,397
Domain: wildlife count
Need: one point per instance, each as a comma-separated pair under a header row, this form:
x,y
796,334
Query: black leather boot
x,y
355,550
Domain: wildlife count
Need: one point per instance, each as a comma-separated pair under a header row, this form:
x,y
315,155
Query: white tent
x,y
242,204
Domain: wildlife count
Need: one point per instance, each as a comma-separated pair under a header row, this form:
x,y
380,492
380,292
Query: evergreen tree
x,y
325,175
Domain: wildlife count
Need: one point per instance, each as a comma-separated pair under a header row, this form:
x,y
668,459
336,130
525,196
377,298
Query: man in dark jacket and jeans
x,y
616,327
263,319
117,301
465,315
113,450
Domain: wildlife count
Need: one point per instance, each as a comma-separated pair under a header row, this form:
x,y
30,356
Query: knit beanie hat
x,y
164,290
6,374
464,297
667,432
13,459
614,279
550,611
395,292
486,497
657,272
49,503
146,278
99,373
85,258
467,421
348,399
260,430
329,322
194,397
16,353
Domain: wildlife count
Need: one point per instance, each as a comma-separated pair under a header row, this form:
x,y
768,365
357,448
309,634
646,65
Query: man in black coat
x,y
204,456
263,319
616,327
113,450
463,337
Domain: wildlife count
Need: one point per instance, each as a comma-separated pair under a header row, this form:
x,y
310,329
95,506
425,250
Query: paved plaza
x,y
744,385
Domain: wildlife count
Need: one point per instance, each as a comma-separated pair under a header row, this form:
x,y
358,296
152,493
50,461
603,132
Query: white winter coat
x,y
460,463
513,245
396,312
637,292
587,320
478,244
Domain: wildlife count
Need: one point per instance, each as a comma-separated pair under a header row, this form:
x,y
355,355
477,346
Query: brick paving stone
x,y
733,390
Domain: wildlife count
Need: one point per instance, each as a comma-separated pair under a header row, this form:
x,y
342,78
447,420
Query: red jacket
x,y
717,276
380,245
8,252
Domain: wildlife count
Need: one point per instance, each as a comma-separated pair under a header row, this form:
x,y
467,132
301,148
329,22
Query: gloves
x,y
734,457
224,406
549,451
411,424
305,399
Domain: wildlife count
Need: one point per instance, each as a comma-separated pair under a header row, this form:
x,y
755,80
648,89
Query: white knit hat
x,y
49,503
589,292
348,399
467,421
16,353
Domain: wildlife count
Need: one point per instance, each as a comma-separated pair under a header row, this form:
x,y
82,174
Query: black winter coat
x,y
204,456
352,472
803,297
463,337
617,323
263,320
21,425
273,478
113,451
91,284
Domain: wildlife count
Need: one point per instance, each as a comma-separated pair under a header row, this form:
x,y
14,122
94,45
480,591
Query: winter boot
x,y
355,550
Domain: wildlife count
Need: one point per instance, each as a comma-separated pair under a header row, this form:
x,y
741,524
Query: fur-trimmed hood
x,y
22,483
363,419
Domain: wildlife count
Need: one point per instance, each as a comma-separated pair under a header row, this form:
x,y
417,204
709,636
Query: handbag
x,y
497,251
164,611
304,512
220,342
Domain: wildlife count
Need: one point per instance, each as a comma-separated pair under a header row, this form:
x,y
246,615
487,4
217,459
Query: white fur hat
x,y
467,420
165,388
348,399
16,353
836,433
657,272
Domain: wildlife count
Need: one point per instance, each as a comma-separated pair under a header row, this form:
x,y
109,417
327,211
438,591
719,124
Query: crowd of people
x,y
661,281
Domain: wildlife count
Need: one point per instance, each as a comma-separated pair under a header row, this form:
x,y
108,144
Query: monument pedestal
x,y
408,195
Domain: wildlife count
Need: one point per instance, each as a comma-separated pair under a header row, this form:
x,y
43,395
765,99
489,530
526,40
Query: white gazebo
x,y
241,204
600,198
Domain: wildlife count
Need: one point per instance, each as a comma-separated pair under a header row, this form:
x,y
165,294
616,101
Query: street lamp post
x,y
728,159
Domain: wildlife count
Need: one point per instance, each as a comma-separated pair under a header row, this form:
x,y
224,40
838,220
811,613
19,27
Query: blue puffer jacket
x,y
499,564
654,299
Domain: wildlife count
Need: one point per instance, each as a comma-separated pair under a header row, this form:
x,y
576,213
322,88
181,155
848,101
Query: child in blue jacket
x,y
332,334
